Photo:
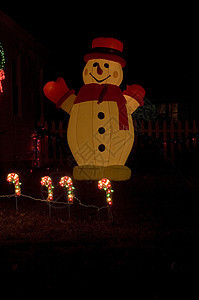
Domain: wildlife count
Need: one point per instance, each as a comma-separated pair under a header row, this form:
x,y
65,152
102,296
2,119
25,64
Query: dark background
x,y
160,41
154,233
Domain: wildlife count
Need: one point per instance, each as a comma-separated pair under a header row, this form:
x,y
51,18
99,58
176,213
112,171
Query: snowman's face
x,y
102,71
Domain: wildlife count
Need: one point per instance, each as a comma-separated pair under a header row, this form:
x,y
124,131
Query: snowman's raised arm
x,y
59,93
134,95
67,103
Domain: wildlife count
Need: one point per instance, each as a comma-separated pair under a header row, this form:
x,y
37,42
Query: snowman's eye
x,y
106,65
95,64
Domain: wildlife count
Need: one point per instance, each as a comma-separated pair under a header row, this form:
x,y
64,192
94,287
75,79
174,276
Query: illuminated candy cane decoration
x,y
47,182
14,178
68,184
105,184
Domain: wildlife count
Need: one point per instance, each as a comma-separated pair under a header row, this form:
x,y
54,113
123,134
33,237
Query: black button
x,y
101,147
101,115
101,130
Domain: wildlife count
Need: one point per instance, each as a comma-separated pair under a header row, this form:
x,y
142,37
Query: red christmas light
x,y
47,182
106,186
2,77
14,178
68,184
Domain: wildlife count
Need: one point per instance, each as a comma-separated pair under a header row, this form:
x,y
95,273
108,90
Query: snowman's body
x,y
99,141
94,136
100,130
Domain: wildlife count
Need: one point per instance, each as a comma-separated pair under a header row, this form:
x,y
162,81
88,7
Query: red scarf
x,y
105,92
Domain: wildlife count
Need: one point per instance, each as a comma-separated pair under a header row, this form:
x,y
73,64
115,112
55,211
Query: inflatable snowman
x,y
100,130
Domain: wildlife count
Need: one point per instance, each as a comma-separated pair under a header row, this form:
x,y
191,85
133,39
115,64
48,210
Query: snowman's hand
x,y
131,104
58,92
136,92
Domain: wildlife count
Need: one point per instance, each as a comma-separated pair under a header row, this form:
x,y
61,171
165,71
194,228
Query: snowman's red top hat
x,y
106,48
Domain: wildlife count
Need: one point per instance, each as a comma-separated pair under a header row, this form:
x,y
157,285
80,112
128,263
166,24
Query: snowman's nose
x,y
99,70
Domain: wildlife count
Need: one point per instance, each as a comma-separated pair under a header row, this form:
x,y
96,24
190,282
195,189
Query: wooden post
x,y
194,140
157,130
179,136
142,131
187,134
142,128
44,147
149,131
165,140
172,140
53,140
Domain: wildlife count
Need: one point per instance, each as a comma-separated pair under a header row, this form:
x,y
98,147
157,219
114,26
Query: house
x,y
169,111
22,61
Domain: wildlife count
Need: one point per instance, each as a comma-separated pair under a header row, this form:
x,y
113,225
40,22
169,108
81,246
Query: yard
x,y
150,232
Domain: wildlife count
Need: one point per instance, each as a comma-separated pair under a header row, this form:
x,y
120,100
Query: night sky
x,y
160,42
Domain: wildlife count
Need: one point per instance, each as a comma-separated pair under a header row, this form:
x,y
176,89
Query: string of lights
x,y
2,66
56,202
66,182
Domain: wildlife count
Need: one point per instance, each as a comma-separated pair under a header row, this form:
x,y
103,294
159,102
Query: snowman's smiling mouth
x,y
98,79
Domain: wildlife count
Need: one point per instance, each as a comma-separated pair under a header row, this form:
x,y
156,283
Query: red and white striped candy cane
x,y
105,184
47,182
14,178
67,182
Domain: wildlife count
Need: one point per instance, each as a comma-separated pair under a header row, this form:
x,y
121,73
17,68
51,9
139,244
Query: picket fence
x,y
172,139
